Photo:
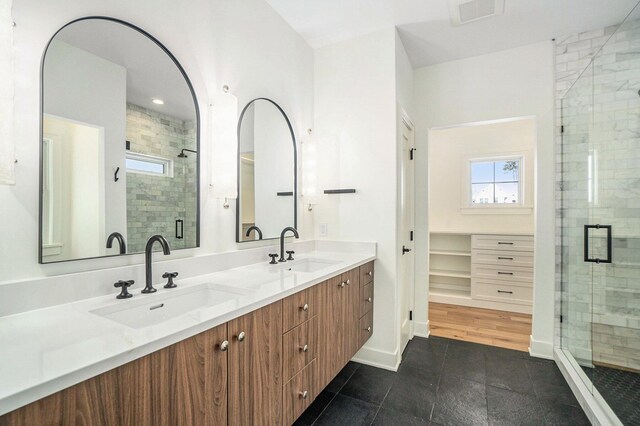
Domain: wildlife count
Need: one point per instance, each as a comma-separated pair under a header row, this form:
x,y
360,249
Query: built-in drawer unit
x,y
502,257
298,393
366,273
366,327
502,292
502,273
502,242
299,348
298,308
366,298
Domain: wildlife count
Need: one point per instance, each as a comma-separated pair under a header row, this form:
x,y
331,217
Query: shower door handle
x,y
586,244
179,229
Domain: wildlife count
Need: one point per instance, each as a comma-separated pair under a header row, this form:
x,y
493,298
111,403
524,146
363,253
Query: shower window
x,y
495,181
148,164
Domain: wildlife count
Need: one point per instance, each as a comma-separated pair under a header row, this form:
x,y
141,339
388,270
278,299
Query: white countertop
x,y
46,350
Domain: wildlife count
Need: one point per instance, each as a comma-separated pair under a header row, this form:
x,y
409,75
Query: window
x,y
148,164
496,181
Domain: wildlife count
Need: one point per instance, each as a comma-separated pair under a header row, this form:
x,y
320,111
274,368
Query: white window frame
x,y
520,207
168,164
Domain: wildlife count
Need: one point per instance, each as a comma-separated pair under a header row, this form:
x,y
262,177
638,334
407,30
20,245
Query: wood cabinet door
x,y
351,305
331,349
255,367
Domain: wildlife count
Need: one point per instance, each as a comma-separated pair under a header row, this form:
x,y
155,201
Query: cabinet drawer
x,y
502,292
366,328
524,276
299,348
366,273
502,242
299,393
366,299
298,308
502,258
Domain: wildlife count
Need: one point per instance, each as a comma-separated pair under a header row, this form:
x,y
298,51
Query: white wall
x,y
355,138
511,83
450,150
245,45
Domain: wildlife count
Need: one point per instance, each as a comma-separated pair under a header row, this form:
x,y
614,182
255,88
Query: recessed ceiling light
x,y
464,11
158,101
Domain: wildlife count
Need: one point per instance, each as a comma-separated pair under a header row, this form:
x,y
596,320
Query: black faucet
x,y
284,231
254,228
117,236
148,259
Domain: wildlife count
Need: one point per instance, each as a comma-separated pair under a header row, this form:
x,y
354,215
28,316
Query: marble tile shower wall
x,y
154,203
601,121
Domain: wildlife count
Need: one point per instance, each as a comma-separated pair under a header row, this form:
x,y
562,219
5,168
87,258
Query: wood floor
x,y
486,326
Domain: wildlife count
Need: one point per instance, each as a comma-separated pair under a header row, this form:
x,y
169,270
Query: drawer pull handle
x,y
370,273
241,336
305,348
504,243
505,258
505,273
369,300
305,307
224,346
502,291
304,394
368,329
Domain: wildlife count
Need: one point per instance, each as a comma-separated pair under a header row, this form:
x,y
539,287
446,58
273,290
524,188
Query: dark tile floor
x,y
448,382
621,390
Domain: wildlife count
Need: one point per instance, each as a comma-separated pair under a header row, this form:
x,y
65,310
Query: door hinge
x,y
410,315
411,153
410,235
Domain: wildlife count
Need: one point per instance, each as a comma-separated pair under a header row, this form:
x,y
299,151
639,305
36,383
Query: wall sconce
x,y
7,145
224,119
309,171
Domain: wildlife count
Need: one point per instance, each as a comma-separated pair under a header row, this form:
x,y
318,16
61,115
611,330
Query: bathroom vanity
x,y
259,355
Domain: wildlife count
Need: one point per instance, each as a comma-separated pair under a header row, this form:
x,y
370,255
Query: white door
x,y
406,275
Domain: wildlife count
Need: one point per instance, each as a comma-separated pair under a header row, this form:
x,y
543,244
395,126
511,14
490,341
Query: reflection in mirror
x,y
266,172
119,144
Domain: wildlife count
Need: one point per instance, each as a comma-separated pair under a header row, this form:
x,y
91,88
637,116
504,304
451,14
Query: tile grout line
x,y
334,396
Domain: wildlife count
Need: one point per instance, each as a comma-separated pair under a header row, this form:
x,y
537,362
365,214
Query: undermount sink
x,y
310,265
170,305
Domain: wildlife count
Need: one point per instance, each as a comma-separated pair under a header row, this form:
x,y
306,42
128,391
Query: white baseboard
x,y
377,358
421,329
540,348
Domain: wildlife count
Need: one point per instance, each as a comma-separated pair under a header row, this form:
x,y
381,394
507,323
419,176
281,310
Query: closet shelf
x,y
450,273
450,293
451,252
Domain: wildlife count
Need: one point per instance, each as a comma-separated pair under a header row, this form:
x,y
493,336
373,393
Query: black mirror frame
x,y
295,170
41,177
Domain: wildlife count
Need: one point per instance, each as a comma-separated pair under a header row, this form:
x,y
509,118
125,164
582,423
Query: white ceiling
x,y
150,71
426,31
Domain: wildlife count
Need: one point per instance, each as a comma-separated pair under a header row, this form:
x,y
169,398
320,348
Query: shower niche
x,y
119,146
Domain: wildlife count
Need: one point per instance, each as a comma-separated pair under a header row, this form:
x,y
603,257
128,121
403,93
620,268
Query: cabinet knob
x,y
305,348
369,300
370,273
304,394
241,336
348,282
224,346
368,329
341,285
305,307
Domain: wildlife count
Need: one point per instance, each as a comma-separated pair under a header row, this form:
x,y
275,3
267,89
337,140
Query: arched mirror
x,y
120,143
267,178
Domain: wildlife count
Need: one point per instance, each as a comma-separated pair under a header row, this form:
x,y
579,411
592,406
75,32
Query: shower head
x,y
183,155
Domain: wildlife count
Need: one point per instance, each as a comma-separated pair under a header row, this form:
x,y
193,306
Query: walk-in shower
x,y
600,221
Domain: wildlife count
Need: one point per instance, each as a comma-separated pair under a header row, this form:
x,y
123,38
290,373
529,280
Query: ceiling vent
x,y
465,11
